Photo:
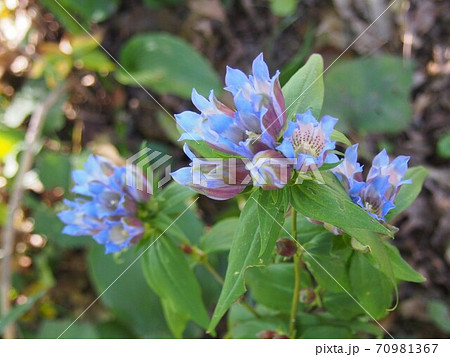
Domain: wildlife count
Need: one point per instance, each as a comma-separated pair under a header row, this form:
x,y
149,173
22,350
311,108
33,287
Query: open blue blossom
x,y
106,208
308,141
253,127
377,194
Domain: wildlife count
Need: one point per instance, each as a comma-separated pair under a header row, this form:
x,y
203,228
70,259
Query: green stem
x,y
296,295
213,272
219,279
250,308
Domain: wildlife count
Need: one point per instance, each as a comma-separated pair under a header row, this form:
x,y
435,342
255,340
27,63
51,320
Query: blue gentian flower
x,y
106,208
245,132
308,140
256,123
349,171
377,194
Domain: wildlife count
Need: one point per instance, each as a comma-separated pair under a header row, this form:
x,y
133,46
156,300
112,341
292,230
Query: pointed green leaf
x,y
402,270
272,206
167,65
243,324
327,267
220,237
331,204
305,89
244,253
378,253
18,310
341,305
176,321
340,137
171,278
273,286
173,197
370,286
130,298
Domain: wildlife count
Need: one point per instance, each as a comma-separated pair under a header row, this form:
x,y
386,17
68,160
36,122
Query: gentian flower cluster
x,y
106,207
254,134
376,195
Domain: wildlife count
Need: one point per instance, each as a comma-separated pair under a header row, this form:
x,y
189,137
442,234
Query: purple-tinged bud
x,y
307,295
186,248
267,334
271,334
286,247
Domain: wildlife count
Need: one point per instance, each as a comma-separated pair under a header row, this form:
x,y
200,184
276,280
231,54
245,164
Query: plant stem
x,y
213,272
31,138
217,276
250,308
296,295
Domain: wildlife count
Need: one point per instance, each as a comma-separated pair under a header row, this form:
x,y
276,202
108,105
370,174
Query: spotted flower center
x,y
371,203
306,141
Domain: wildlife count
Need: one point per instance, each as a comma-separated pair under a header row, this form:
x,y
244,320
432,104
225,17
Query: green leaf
x,y
19,310
322,262
340,137
329,203
164,223
243,324
129,298
439,313
283,7
244,253
54,169
167,65
341,305
173,198
378,253
370,286
315,332
85,11
63,17
402,270
305,89
96,61
273,286
309,323
378,99
443,146
272,206
169,275
202,149
176,321
51,329
25,102
220,237
408,193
